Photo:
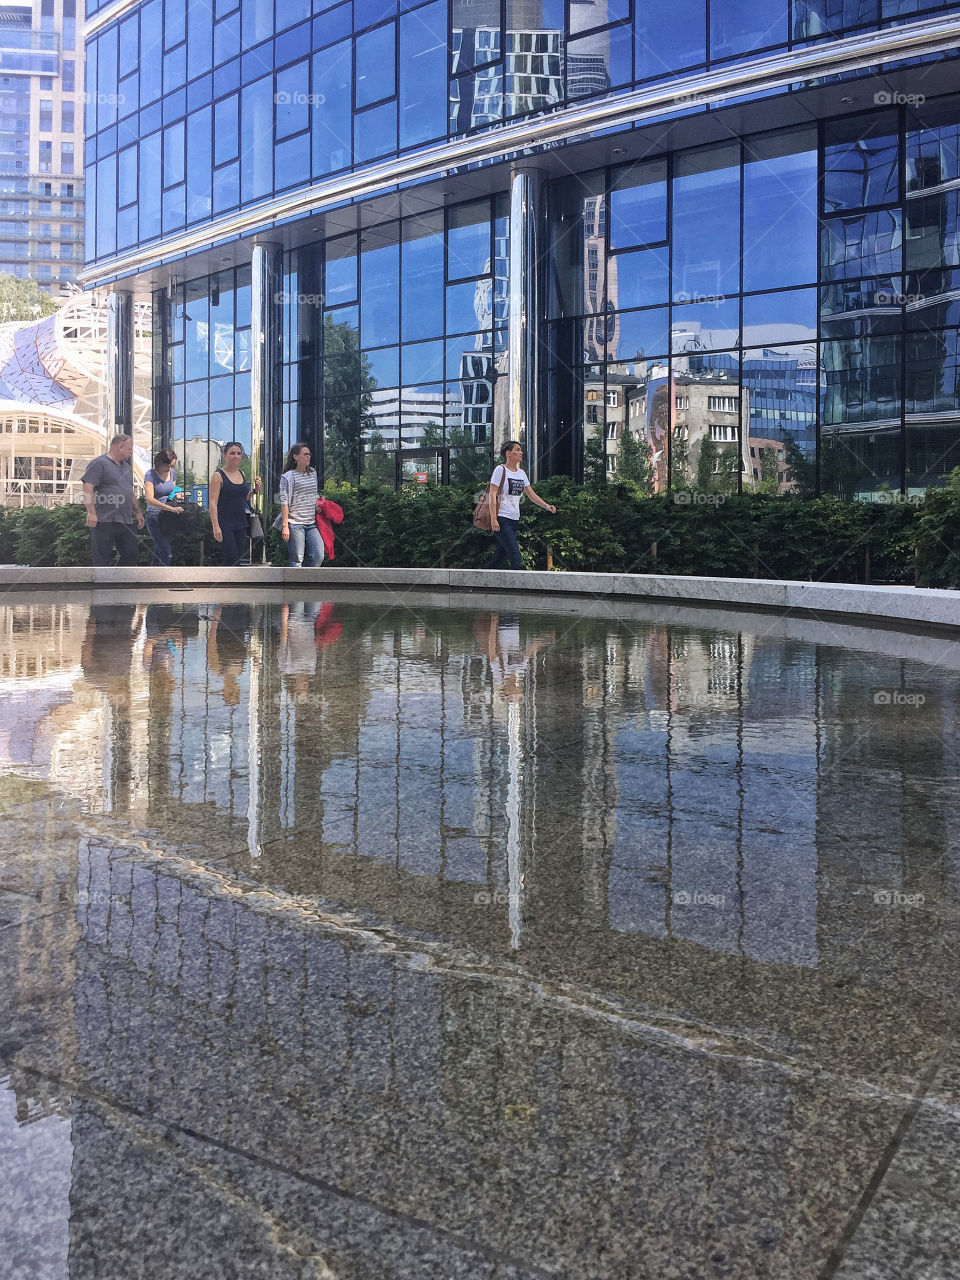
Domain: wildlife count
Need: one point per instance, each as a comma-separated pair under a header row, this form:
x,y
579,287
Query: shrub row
x,y
610,528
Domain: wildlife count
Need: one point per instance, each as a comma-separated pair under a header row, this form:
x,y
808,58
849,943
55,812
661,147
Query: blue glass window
x,y
340,280
670,35
257,21
106,206
226,187
599,62
226,41
375,132
376,65
256,123
639,334
780,208
173,155
468,241
468,307
474,36
380,295
861,163
226,132
740,26
706,224
368,12
149,201
107,79
639,279
127,176
771,319
422,262
292,99
174,23
422,59
198,174
638,205
200,45
866,245
332,74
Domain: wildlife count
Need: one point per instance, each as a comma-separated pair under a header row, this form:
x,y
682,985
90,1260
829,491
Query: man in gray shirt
x,y
111,509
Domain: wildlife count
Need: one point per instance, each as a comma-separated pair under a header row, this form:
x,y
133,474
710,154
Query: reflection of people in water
x,y
509,658
306,626
106,657
167,627
227,638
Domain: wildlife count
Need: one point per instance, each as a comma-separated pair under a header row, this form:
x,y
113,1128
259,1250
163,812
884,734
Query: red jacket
x,y
328,514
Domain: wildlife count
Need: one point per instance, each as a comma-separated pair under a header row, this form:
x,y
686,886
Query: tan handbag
x,y
481,512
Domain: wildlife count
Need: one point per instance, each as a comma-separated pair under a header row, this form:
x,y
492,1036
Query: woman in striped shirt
x,y
298,508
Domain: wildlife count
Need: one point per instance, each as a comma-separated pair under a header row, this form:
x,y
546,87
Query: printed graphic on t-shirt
x,y
514,487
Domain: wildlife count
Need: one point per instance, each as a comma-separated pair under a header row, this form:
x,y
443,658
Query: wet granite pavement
x,y
387,943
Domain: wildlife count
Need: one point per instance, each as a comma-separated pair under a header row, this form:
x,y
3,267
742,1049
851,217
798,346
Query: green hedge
x,y
610,528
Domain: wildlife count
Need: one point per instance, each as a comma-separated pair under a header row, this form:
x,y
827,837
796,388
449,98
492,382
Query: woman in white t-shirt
x,y
508,484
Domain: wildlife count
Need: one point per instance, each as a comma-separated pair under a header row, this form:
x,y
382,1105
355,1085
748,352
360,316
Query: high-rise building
x,y
41,143
519,213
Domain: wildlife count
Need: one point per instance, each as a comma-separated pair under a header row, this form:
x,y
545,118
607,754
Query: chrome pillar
x,y
265,355
524,328
119,381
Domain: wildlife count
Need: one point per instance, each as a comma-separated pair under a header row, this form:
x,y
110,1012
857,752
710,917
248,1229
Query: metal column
x,y
265,367
524,319
119,364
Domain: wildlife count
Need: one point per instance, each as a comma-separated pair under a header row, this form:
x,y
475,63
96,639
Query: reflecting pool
x,y
369,937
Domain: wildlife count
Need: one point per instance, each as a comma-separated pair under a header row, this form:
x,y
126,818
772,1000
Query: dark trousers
x,y
507,549
160,529
235,546
113,535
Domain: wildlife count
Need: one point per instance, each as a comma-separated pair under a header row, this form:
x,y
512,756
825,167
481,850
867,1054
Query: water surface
x,y
361,937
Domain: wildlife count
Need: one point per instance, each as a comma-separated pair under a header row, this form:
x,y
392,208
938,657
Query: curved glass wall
x,y
269,95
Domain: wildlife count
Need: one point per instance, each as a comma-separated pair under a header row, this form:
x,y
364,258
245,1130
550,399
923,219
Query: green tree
x,y
379,463
347,387
23,300
635,463
594,460
469,465
716,468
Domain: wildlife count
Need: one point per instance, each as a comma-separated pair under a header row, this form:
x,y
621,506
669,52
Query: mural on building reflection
x,y
400,762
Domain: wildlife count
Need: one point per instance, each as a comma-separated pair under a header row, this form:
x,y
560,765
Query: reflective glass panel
x,y
708,326
422,293
341,438
380,293
375,132
639,278
331,116
376,58
864,245
422,61
468,241
780,396
600,62
706,224
634,335
474,34
772,318
860,163
780,208
638,205
670,35
340,280
468,306
740,26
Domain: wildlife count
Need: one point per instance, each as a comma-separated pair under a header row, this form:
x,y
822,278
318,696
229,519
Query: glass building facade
x,y
405,232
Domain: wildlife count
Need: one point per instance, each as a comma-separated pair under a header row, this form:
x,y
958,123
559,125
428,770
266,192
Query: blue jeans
x,y
235,546
114,535
305,537
507,548
160,529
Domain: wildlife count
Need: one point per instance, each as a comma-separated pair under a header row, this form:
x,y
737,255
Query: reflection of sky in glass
x,y
769,318
641,333
780,221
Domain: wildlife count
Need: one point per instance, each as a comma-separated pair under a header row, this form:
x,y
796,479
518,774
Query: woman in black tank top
x,y
228,505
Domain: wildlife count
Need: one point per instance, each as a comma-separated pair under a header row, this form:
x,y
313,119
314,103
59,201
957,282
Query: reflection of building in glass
x,y
53,402
643,229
